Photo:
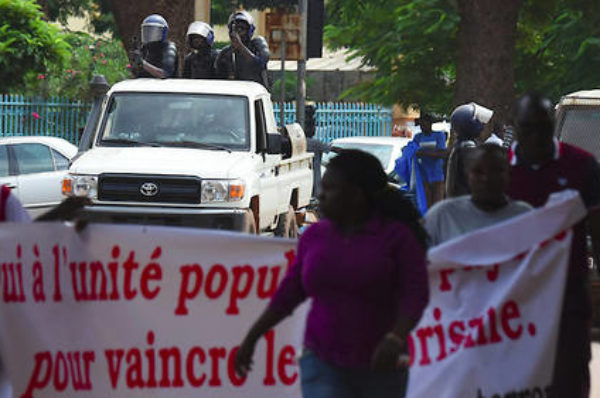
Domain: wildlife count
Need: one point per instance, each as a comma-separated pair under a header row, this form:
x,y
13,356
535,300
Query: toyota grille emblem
x,y
149,189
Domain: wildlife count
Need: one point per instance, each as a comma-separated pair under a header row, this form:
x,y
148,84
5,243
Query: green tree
x,y
485,64
437,53
220,11
558,50
411,43
99,12
27,43
90,56
291,84
123,18
262,4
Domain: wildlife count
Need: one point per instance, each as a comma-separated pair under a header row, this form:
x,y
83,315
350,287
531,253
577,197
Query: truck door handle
x,y
10,185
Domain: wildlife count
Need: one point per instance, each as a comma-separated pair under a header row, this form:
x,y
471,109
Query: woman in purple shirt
x,y
364,268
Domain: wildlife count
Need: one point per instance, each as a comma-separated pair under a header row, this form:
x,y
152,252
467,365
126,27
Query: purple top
x,y
359,284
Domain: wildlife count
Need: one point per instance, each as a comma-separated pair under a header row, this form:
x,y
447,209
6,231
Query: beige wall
x,y
202,10
82,24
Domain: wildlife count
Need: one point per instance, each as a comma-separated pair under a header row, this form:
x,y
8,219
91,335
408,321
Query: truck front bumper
x,y
217,218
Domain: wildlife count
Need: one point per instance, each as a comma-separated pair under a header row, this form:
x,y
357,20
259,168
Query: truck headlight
x,y
215,191
80,185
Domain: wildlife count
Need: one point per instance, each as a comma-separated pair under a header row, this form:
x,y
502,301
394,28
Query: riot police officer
x,y
246,58
158,56
200,63
467,121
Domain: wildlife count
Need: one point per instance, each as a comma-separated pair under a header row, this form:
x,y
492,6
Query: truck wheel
x,y
249,223
287,226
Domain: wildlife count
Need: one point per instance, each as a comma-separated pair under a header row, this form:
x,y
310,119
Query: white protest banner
x,y
491,326
129,311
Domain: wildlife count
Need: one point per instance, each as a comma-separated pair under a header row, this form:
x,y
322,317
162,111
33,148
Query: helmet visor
x,y
152,32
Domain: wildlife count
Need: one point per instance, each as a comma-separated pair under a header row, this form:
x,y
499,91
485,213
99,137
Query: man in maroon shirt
x,y
540,166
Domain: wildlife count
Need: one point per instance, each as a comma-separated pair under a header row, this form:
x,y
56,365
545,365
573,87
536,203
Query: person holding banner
x,y
364,268
11,209
540,166
488,204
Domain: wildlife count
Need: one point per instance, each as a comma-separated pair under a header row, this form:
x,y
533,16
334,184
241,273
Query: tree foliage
x,y
99,12
558,51
220,11
262,4
90,56
413,45
290,86
27,43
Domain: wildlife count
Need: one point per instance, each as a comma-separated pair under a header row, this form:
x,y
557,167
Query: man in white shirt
x,y
488,177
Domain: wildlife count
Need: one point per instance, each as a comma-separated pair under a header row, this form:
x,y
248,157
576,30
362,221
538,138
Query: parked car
x,y
386,149
34,167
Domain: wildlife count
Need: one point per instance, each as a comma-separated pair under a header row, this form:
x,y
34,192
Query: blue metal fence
x,y
57,117
60,117
344,119
290,112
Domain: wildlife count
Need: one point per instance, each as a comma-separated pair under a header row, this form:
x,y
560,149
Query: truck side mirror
x,y
99,87
274,144
278,144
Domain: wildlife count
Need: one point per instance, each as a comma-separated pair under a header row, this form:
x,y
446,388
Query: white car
x,y
34,167
386,149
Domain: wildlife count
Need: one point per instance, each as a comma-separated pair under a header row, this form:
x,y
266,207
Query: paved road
x,y
595,370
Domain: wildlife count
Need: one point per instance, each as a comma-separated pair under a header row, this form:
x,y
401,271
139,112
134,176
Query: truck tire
x,y
286,225
250,223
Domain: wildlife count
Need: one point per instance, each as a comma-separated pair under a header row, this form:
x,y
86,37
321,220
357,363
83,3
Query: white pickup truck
x,y
198,153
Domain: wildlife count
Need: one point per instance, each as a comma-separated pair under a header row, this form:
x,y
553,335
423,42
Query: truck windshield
x,y
214,122
581,127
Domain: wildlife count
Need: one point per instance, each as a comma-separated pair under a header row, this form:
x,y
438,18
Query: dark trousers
x,y
571,378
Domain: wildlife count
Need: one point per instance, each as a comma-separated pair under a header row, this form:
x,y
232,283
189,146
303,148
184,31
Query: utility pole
x,y
301,80
282,79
